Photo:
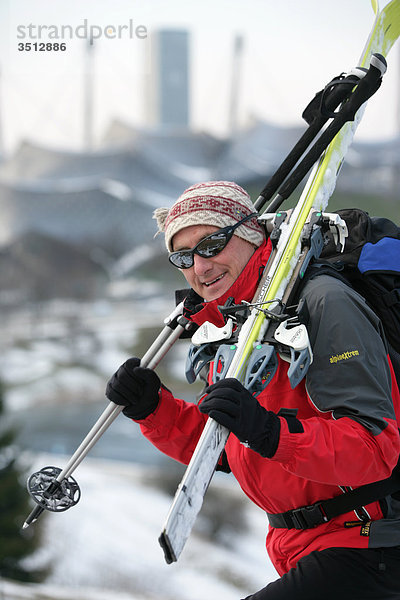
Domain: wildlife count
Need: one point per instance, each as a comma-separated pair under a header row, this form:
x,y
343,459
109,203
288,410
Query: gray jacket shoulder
x,y
349,375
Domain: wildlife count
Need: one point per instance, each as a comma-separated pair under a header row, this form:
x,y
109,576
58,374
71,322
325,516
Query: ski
x,y
297,242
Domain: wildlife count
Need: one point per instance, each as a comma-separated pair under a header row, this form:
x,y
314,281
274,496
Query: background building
x,y
169,85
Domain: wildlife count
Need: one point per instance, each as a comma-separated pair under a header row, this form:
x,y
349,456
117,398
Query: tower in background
x,y
168,93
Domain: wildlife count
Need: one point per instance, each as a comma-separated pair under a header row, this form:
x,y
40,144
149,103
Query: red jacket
x,y
346,406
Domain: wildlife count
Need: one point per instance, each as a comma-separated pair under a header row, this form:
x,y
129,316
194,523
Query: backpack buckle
x,y
307,517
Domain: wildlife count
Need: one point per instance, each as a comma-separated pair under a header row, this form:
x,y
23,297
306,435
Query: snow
x,y
109,541
11,590
76,380
106,547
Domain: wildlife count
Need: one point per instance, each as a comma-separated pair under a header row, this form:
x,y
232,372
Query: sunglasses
x,y
209,246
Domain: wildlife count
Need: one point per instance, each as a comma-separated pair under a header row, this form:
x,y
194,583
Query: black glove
x,y
136,388
231,405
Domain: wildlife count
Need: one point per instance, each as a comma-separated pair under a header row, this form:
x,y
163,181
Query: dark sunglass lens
x,y
182,260
212,245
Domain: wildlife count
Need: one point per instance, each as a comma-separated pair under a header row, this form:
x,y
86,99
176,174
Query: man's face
x,y
212,277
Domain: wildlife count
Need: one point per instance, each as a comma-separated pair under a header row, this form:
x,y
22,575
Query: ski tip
x,y
165,544
25,525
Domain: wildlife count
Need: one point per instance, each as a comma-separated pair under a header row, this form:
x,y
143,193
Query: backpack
x,y
370,263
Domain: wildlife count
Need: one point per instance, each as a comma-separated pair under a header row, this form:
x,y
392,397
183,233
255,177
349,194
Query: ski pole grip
x,y
336,92
367,87
378,61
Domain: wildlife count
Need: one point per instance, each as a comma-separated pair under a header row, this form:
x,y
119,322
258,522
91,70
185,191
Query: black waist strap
x,y
298,518
310,516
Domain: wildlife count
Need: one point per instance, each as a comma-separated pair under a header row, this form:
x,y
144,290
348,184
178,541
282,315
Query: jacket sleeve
x,y
353,439
174,427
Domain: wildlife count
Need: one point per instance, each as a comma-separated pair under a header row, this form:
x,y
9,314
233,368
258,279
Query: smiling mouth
x,y
208,283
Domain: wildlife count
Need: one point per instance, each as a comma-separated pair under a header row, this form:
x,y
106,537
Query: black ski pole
x,y
367,86
316,114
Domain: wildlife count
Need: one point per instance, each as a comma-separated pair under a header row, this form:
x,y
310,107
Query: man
x,y
288,448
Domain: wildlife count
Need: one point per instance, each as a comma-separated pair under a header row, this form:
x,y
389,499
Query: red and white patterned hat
x,y
218,203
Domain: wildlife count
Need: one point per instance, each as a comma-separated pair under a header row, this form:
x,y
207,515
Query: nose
x,y
201,265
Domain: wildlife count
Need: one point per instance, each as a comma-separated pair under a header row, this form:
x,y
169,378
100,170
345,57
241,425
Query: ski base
x,y
191,491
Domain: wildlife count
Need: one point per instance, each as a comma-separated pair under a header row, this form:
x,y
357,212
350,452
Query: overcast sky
x,y
292,48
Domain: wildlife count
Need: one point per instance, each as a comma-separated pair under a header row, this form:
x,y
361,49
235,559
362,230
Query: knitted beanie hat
x,y
218,203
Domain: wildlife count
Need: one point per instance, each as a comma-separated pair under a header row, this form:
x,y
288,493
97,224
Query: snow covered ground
x,y
109,542
107,547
